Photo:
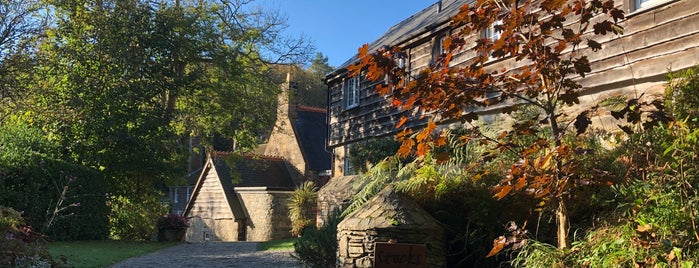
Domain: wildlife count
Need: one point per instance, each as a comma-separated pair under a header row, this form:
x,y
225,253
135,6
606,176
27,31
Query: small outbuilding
x,y
241,198
407,235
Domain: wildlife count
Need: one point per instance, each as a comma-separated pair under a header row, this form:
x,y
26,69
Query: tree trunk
x,y
562,225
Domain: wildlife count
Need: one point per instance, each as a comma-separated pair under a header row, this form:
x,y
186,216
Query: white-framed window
x,y
438,48
189,193
176,196
642,4
352,92
400,62
493,33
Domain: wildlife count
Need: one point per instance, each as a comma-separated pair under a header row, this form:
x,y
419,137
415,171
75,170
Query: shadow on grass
x,y
103,253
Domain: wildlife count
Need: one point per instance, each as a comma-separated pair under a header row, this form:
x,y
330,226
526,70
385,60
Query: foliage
x,y
65,200
133,219
307,86
681,97
374,180
19,244
172,222
551,40
317,248
369,152
302,207
101,253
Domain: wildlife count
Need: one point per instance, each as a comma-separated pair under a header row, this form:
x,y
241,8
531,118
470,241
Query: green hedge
x,y
32,180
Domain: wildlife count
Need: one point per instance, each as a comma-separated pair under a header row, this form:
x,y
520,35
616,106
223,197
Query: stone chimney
x,y
196,154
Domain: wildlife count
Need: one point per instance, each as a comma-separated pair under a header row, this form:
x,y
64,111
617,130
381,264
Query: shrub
x,y
172,222
19,244
132,219
302,204
318,247
32,180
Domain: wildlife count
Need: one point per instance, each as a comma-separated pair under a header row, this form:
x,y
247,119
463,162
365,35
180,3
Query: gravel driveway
x,y
212,254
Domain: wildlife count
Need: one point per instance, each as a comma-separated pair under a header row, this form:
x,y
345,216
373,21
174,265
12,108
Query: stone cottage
x,y
240,197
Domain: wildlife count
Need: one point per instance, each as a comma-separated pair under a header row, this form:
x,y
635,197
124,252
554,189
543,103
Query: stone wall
x,y
267,213
215,229
336,194
388,217
356,247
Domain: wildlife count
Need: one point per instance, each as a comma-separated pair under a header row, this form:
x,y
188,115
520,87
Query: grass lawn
x,y
284,244
101,253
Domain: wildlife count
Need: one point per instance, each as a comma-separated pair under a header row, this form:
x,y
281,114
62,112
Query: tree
x,y
19,22
546,43
121,85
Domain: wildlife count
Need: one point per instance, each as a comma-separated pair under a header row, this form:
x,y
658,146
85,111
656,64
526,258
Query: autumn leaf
x,y
521,182
406,147
502,191
401,122
396,102
498,244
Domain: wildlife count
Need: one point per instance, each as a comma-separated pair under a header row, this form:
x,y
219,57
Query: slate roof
x,y
311,131
253,171
432,16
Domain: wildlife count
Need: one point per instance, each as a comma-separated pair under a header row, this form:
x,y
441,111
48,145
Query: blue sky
x,y
338,28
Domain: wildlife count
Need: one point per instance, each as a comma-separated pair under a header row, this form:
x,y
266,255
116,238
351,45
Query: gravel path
x,y
212,254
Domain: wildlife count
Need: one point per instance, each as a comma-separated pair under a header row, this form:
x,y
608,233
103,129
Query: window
x,y
348,167
352,92
438,49
189,193
175,196
400,62
640,4
493,33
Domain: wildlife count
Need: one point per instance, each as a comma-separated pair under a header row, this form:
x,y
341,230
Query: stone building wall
x,y
388,217
336,194
356,247
212,229
267,214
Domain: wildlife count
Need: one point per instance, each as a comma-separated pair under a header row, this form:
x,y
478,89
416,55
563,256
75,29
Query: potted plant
x,y
171,227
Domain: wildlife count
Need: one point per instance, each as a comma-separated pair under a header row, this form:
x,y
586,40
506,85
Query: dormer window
x,y
352,92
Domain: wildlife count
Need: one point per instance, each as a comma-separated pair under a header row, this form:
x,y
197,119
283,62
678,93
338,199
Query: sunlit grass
x,y
284,244
101,253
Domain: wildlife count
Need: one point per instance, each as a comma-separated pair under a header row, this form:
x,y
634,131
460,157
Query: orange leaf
x,y
502,135
498,244
401,122
503,190
441,141
406,147
521,182
424,133
422,149
396,102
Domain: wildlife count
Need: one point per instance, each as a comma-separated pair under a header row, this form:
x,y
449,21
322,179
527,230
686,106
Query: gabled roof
x,y
430,17
253,171
250,171
231,198
311,129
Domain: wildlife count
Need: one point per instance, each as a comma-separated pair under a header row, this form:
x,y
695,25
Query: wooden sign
x,y
390,255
